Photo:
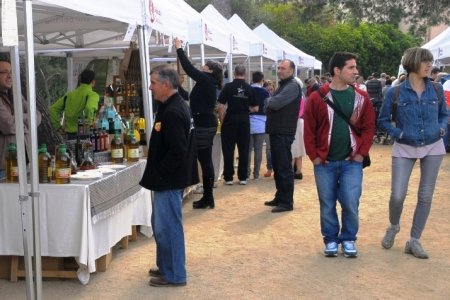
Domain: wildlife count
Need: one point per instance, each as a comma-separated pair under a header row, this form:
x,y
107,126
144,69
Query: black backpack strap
x,y
339,112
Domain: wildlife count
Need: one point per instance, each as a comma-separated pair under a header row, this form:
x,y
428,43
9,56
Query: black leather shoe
x,y
298,176
273,202
278,209
204,202
161,282
154,272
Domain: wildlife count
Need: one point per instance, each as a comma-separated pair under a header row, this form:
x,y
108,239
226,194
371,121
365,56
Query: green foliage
x,y
51,78
379,46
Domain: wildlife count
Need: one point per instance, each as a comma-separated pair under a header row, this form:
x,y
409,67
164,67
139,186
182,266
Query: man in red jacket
x,y
337,151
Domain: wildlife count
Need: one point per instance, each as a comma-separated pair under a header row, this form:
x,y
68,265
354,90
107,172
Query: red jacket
x,y
318,117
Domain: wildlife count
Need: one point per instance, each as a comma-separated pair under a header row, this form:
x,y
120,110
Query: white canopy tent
x,y
266,53
440,47
239,45
300,58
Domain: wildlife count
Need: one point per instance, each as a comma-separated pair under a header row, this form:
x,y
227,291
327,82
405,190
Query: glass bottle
x,y
12,169
116,149
62,161
133,148
44,159
88,158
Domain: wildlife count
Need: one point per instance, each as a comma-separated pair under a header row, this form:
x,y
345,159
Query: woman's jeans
x,y
339,181
401,172
167,225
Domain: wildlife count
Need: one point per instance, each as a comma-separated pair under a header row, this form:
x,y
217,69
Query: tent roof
x,y
240,44
440,47
289,51
257,46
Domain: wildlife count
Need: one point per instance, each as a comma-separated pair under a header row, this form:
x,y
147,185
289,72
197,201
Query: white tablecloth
x,y
66,228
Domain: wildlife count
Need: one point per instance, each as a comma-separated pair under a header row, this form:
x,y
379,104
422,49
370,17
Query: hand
x,y
358,158
317,161
442,131
177,43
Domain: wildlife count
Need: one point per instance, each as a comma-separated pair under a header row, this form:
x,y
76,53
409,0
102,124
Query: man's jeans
x,y
401,171
167,226
256,144
339,181
280,145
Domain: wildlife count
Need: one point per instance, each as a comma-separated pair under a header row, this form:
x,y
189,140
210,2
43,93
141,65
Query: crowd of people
x,y
330,119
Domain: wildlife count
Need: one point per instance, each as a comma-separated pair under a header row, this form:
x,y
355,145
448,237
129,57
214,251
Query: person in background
x,y
387,87
82,102
257,124
202,103
337,151
282,115
270,87
183,93
421,121
171,167
375,88
298,146
434,72
7,118
312,86
236,100
360,83
382,79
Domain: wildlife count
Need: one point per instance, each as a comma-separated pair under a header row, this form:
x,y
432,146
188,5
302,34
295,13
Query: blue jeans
x,y
339,181
280,145
401,171
256,144
167,226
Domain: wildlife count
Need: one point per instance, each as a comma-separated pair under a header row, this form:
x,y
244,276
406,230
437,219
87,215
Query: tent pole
x,y
145,82
69,61
230,60
32,127
25,205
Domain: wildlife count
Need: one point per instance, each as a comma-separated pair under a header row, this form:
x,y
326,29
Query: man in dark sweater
x,y
171,167
236,101
282,115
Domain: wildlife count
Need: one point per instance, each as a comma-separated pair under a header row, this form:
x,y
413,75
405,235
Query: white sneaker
x,y
229,182
243,182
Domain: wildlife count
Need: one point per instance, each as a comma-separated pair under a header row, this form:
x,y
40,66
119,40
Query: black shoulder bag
x,y
366,161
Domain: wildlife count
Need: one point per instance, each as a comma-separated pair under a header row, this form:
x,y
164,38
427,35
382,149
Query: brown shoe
x,y
268,173
161,282
154,272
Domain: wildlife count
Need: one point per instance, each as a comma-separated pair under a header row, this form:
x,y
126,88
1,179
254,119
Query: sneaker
x,y
229,182
414,247
243,182
349,249
331,249
389,237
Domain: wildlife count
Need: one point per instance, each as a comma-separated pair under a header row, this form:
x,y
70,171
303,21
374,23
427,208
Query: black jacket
x,y
203,95
283,107
172,156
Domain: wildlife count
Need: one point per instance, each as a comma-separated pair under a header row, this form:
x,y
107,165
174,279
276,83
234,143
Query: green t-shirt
x,y
340,135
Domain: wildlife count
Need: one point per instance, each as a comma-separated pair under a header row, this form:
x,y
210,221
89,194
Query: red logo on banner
x,y
151,10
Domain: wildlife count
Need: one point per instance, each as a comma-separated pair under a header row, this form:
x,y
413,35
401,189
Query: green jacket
x,y
82,99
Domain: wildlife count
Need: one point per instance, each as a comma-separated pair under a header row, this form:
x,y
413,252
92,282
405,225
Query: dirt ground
x,y
240,250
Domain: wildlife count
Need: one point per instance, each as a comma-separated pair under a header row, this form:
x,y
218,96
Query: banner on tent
x,y
10,36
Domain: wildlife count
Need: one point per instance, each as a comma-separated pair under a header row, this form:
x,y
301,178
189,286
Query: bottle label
x,y
117,153
133,152
62,173
14,171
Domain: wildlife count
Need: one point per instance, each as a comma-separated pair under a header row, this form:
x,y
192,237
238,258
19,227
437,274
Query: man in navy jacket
x,y
171,167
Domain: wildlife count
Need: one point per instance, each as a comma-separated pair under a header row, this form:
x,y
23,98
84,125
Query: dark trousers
x,y
280,146
235,131
205,158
